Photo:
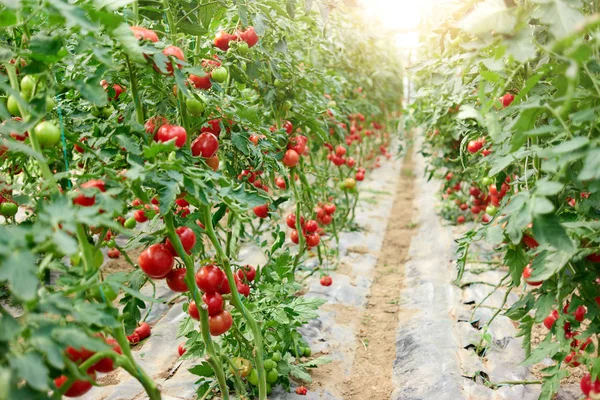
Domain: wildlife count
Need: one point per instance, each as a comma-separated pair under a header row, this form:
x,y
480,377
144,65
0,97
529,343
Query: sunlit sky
x,y
402,16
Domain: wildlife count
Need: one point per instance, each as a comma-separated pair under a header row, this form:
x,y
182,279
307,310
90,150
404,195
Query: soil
x,y
114,265
371,374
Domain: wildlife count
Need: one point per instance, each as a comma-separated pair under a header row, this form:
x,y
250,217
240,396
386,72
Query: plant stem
x,y
139,109
237,303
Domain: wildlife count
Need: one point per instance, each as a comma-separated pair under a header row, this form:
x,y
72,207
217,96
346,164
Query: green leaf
x,y
548,230
468,112
112,5
544,350
8,18
545,187
9,327
206,13
31,368
167,193
516,260
541,205
290,6
489,16
75,16
202,369
124,36
299,373
547,264
560,16
570,145
19,269
591,166
45,48
53,352
158,147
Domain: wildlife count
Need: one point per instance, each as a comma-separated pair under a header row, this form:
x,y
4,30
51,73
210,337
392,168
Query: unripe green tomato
x,y
276,356
272,376
130,223
111,244
13,106
26,96
243,48
487,181
75,259
253,377
307,351
102,292
279,84
248,94
27,84
331,104
47,133
95,112
243,66
195,107
8,209
50,104
287,105
107,111
270,364
491,210
220,74
62,52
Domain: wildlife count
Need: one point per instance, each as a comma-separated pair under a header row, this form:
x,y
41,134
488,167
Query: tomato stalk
x,y
301,246
238,304
213,358
135,93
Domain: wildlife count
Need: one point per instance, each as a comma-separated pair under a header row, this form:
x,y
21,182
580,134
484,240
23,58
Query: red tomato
x,y
297,144
261,211
291,158
156,261
580,313
461,219
329,208
350,162
463,206
206,145
507,99
340,151
201,82
173,51
116,87
87,201
311,226
242,288
527,274
78,388
571,360
113,253
144,34
247,272
326,220
326,280
294,236
193,311
214,127
530,242
134,338
187,238
225,289
212,162
210,278
78,356
214,303
360,176
176,280
474,146
290,220
595,257
588,387
222,40
280,183
107,364
220,323
181,349
254,139
301,390
288,126
313,239
168,132
449,176
551,319
249,36
140,216
320,212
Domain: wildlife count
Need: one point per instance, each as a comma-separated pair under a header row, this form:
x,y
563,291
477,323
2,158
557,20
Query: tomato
x,y
280,183
287,105
214,303
154,123
225,289
487,181
195,107
340,151
288,126
276,356
270,364
242,288
326,280
551,319
8,209
118,89
594,257
527,274
290,159
212,162
27,84
140,216
313,240
220,323
461,219
242,366
249,36
261,211
156,261
113,253
206,145
47,133
143,330
588,387
298,144
107,364
253,377
210,278
144,34
79,387
78,356
329,208
360,176
294,236
176,280
530,242
173,51
220,74
580,313
201,82
193,311
350,183
301,390
475,145
168,132
181,349
290,220
87,201
507,99
187,238
13,106
247,272
222,40
272,376
243,48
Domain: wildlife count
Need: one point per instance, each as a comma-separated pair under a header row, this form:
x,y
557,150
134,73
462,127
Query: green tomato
x,y
107,111
8,209
47,133
220,74
50,104
195,107
487,181
130,223
270,364
276,356
75,259
307,351
243,48
279,84
27,84
287,105
253,377
95,111
491,210
111,244
102,292
13,106
248,94
272,376
243,66
331,104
